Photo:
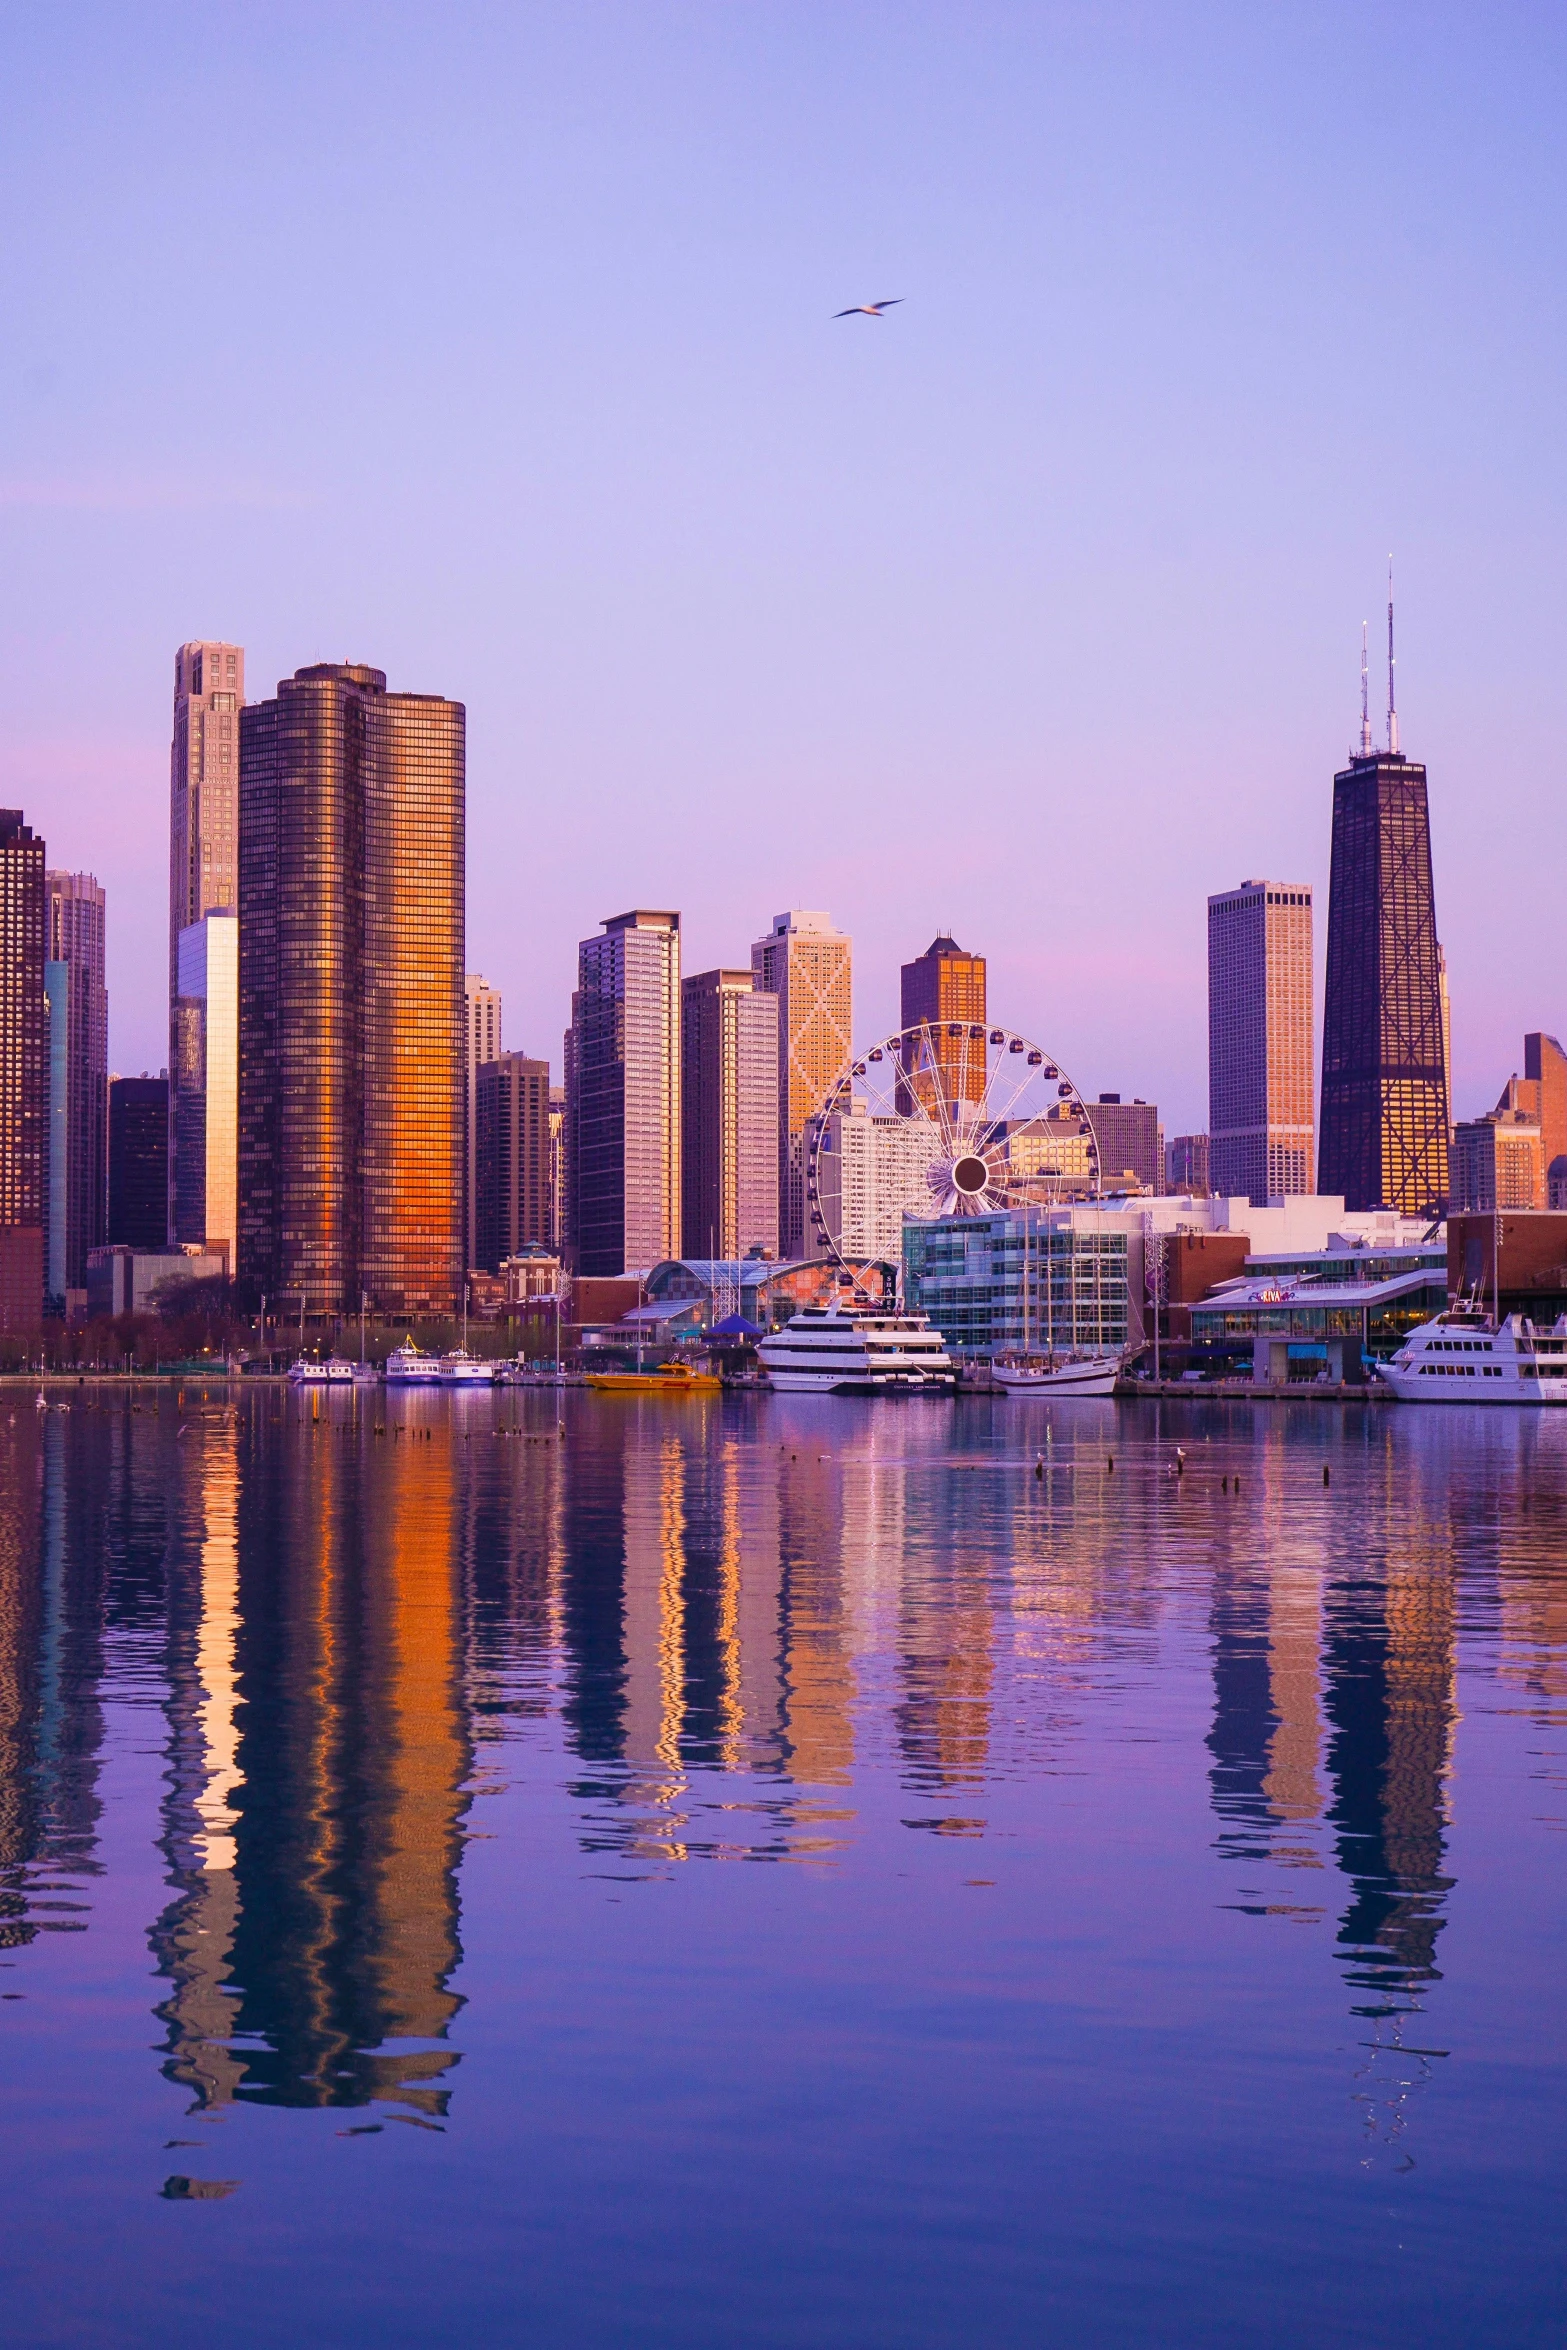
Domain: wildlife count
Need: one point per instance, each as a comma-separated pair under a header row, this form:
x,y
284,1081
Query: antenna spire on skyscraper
x,y
1392,699
1365,692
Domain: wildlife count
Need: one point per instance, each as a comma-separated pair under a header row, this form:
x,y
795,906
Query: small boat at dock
x,y
668,1379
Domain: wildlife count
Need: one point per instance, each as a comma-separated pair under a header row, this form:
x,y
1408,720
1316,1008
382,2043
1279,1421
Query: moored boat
x,y
312,1371
409,1366
668,1379
1466,1356
852,1350
1074,1374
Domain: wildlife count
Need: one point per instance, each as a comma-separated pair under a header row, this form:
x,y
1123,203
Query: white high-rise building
x,y
204,1086
1261,1123
209,693
870,1172
481,1043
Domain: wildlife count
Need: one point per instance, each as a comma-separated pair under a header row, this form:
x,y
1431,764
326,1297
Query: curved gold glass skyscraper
x,y
351,995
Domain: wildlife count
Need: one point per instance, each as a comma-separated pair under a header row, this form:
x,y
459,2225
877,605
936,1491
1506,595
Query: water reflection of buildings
x,y
1334,1704
52,1553
1266,1739
1388,1670
319,1760
705,1625
1333,1719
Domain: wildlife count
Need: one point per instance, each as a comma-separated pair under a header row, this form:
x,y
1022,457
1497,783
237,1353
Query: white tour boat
x,y
1465,1356
311,1371
1058,1374
409,1366
854,1350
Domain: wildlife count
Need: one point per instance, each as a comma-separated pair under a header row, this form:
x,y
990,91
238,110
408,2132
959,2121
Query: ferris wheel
x,y
948,1118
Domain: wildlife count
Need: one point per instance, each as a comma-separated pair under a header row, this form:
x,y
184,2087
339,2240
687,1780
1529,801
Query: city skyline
x,y
791,597
884,983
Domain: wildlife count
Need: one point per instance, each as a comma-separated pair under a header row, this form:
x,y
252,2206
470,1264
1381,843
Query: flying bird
x,y
869,309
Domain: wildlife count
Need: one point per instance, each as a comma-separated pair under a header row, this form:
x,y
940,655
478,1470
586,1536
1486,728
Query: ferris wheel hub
x,y
970,1175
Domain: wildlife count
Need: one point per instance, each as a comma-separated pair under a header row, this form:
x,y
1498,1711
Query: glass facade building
x,y
209,694
945,988
1186,1165
351,995
511,1162
729,1115
808,964
1384,1073
206,1092
1260,982
74,917
623,1121
1037,1279
24,1072
139,1162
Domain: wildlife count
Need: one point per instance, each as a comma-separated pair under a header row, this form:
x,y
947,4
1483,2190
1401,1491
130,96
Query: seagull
x,y
869,309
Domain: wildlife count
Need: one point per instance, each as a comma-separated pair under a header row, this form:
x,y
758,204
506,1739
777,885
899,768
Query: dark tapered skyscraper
x,y
1384,1140
351,994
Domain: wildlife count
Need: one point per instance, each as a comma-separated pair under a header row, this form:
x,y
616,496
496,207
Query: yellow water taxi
x,y
668,1379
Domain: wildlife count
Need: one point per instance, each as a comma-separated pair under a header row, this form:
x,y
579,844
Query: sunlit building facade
x,y
351,995
209,694
206,1086
1260,1051
729,1110
1384,1073
808,964
1498,1161
623,1120
944,990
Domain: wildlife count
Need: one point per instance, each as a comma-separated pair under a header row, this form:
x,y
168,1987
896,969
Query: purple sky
x,y
494,346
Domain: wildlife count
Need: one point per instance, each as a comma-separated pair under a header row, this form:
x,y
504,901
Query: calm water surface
x,y
780,1871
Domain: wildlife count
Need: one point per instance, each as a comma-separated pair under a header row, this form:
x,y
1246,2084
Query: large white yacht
x,y
854,1350
1466,1357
